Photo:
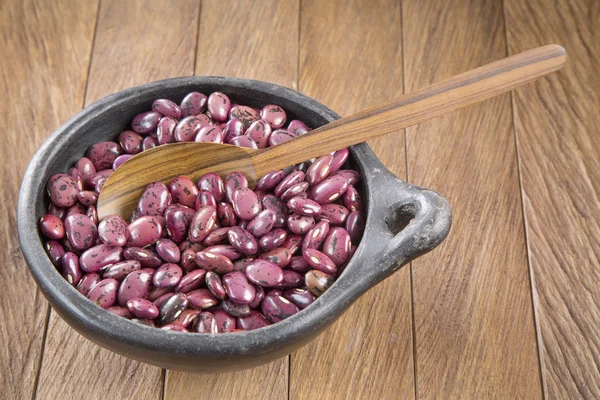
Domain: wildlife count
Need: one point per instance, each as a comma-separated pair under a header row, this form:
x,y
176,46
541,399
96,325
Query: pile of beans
x,y
212,256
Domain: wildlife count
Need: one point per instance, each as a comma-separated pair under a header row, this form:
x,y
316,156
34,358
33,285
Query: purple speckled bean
x,y
121,269
119,311
87,282
149,143
245,114
294,191
167,275
165,131
155,292
291,279
337,245
62,190
146,257
351,199
289,181
315,236
259,132
280,256
271,202
135,285
304,206
142,308
242,240
183,191
225,322
233,181
319,170
317,282
297,128
273,239
214,184
336,214
217,236
155,200
279,136
70,268
293,243
225,250
92,260
87,197
86,168
300,224
205,323
104,293
319,261
351,176
113,230
158,302
213,283
264,273
202,299
355,225
188,262
52,227
166,108
245,203
103,154
205,198
55,252
238,288
145,122
300,297
130,142
258,297
233,128
274,115
226,215
186,244
187,318
191,281
329,189
209,134
176,223
253,321
187,129
213,262
244,141
299,264
235,309
74,173
339,158
193,104
168,250
202,224
270,180
144,231
76,209
262,223
278,308
218,105
172,308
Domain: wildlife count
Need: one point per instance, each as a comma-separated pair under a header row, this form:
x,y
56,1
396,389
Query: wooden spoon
x,y
124,187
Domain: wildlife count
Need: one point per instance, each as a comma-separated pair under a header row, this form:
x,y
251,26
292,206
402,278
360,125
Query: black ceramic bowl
x,y
403,222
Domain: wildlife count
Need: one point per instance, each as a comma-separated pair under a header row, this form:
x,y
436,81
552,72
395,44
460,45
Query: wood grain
x,y
350,59
44,56
556,122
135,43
255,39
474,323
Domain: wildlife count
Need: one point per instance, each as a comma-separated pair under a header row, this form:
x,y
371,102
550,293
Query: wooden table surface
x,y
507,307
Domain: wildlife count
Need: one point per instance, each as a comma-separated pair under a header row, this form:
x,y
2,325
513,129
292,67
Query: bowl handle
x,y
409,221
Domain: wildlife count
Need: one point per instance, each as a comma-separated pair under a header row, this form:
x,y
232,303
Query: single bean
x,y
278,308
280,256
274,115
242,240
52,227
144,231
155,200
297,128
245,114
298,264
202,223
294,191
62,190
55,252
146,257
165,131
319,170
238,288
291,279
206,323
225,250
259,131
300,297
329,189
262,223
145,122
76,209
202,299
273,239
191,281
270,180
317,282
339,158
279,136
93,259
337,245
216,236
300,224
304,206
355,225
193,103
226,215
214,184
213,283
172,308
205,198
87,283
167,275
87,197
149,143
187,129
273,203
234,180
86,168
315,236
210,261
135,285
289,181
103,154
104,293
264,273
233,128
245,203
350,175
121,269
319,261
142,308
225,322
168,250
70,268
351,199
166,108
235,309
336,214
209,134
130,142
219,106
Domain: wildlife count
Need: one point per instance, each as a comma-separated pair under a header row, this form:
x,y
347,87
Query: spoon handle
x,y
443,97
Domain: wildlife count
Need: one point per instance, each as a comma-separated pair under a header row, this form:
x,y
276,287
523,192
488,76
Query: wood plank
x,y
556,122
259,41
474,325
254,39
41,86
350,59
136,42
